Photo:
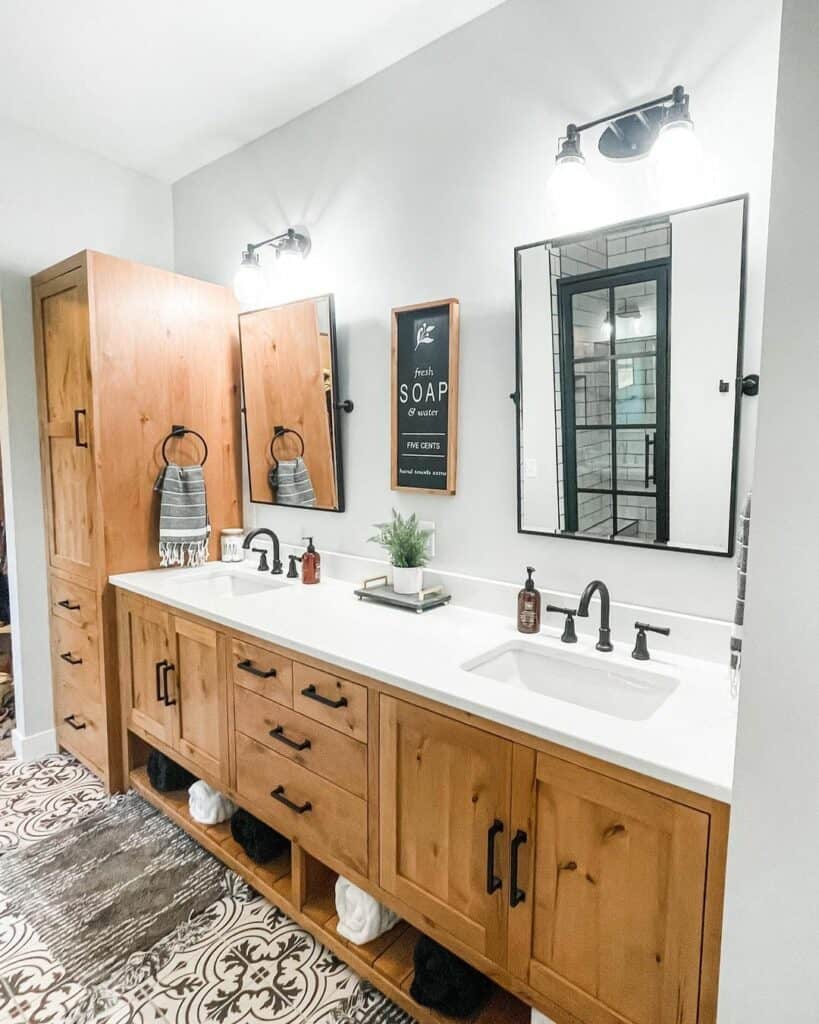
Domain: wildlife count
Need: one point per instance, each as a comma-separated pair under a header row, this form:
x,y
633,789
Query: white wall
x,y
418,184
54,201
705,301
771,936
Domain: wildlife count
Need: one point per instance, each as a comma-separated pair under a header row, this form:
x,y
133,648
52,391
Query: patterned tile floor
x,y
240,961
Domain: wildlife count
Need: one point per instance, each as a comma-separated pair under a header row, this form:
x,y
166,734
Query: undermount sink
x,y
588,681
226,584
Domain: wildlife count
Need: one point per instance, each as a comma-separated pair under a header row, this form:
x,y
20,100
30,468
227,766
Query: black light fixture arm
x,y
678,97
287,236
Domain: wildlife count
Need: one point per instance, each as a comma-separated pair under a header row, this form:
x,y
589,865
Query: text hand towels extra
x,y
207,805
360,918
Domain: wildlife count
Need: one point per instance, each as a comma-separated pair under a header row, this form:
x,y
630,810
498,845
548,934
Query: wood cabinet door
x,y
144,658
443,788
63,350
612,882
200,692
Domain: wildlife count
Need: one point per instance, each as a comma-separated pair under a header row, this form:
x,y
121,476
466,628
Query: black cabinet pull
x,y
516,895
77,442
493,883
158,669
278,734
248,666
71,721
67,656
69,607
165,669
278,794
311,692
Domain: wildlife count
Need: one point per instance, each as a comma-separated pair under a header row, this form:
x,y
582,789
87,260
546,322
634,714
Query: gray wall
x,y
54,201
417,185
771,939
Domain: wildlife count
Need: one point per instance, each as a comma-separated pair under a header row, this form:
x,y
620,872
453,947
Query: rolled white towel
x,y
207,805
360,917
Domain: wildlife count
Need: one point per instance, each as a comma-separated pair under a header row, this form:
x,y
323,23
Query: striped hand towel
x,y
184,527
742,575
291,483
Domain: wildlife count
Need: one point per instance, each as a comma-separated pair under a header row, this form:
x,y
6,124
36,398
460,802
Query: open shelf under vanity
x,y
304,889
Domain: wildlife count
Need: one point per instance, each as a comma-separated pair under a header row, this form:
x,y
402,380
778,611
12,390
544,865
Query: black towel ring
x,y
179,431
278,433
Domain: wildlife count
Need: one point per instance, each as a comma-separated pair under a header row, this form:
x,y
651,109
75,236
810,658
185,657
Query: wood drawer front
x,y
335,824
331,700
76,657
262,671
335,757
74,604
81,724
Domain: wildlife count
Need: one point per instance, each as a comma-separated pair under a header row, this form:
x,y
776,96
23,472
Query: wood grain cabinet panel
x,y
144,652
613,889
66,436
73,603
331,700
200,695
443,787
315,813
307,742
76,657
81,725
262,671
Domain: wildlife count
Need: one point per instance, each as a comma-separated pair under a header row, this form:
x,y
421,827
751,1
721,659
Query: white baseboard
x,y
30,748
540,1018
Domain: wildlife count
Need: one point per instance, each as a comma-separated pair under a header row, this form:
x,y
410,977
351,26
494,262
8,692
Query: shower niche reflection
x,y
629,380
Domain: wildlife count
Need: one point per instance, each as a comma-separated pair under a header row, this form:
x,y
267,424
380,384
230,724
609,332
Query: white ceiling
x,y
165,86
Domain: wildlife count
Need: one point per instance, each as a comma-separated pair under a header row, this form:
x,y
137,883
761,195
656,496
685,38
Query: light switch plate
x,y
426,524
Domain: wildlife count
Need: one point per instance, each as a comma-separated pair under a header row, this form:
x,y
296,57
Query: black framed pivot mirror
x,y
629,380
291,405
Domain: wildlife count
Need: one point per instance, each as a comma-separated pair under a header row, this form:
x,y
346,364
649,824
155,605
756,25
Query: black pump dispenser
x,y
530,583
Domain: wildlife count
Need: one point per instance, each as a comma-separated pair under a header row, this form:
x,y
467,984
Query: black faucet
x,y
604,636
277,562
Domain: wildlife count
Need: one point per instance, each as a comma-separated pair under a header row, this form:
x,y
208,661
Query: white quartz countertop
x,y
688,741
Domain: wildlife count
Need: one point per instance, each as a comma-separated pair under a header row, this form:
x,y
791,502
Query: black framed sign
x,y
425,397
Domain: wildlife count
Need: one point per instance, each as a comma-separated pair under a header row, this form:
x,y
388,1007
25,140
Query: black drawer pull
x,y
278,734
67,656
77,442
516,895
311,692
248,666
493,883
165,669
278,794
71,721
69,607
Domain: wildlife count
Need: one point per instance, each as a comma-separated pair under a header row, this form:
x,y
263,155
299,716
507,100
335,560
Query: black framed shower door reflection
x,y
614,402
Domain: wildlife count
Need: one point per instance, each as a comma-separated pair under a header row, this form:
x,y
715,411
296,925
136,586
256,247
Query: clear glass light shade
x,y
676,153
569,182
248,281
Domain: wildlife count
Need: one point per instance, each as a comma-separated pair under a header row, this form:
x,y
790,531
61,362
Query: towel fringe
x,y
193,554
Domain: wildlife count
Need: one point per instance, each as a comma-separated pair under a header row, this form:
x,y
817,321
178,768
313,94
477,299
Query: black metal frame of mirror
x,y
745,386
346,405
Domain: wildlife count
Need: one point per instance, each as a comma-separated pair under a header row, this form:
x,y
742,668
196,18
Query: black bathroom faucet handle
x,y
263,565
569,634
640,652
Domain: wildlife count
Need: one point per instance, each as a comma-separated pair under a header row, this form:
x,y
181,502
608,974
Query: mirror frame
x,y
516,395
338,460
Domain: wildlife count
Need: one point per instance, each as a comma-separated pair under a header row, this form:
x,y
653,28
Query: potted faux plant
x,y
406,544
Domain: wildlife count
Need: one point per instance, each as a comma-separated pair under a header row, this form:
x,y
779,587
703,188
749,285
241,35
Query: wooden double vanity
x,y
580,887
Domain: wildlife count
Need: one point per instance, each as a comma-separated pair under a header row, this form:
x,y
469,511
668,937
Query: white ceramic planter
x,y
407,581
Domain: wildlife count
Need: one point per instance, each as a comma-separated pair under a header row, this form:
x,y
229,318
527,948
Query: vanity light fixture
x,y
629,135
248,280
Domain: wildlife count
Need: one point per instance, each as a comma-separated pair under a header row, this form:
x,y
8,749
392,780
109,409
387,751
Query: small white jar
x,y
231,541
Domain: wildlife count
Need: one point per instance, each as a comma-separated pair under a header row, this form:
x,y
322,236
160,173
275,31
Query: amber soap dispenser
x,y
311,564
529,605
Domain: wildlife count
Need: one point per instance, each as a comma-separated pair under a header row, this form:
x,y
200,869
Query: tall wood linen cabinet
x,y
123,353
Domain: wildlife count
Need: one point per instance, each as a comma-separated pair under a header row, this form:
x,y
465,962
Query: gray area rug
x,y
115,883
